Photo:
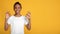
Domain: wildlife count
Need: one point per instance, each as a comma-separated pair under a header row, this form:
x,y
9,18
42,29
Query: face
x,y
17,8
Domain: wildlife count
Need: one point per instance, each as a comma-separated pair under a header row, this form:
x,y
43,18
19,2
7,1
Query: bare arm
x,y
6,24
29,24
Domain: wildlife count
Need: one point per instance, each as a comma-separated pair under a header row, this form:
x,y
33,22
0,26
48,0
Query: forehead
x,y
17,5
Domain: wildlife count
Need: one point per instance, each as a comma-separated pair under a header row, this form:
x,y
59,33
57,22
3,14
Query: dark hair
x,y
16,4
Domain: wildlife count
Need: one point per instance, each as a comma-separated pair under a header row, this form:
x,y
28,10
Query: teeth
x,y
17,11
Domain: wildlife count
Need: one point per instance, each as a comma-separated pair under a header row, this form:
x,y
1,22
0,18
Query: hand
x,y
28,15
7,15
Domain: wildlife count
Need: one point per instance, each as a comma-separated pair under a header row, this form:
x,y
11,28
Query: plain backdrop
x,y
45,15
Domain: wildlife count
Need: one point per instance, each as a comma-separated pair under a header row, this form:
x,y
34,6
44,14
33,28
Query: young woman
x,y
17,21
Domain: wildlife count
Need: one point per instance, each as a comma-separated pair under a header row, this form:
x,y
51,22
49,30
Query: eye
x,y
15,7
18,7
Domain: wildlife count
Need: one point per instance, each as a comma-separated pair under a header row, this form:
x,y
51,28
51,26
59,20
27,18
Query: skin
x,y
17,14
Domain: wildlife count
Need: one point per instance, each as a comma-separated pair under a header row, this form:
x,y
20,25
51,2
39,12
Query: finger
x,y
8,13
27,15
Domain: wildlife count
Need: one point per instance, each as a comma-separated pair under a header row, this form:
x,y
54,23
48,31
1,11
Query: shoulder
x,y
23,16
11,17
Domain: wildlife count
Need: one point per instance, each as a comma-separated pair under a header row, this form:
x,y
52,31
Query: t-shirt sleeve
x,y
26,21
9,21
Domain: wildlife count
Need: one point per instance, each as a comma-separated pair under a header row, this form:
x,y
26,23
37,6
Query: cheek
x,y
18,9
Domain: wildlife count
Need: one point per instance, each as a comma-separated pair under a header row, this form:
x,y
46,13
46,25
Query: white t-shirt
x,y
17,24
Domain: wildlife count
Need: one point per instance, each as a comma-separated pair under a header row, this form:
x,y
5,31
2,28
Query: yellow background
x,y
45,15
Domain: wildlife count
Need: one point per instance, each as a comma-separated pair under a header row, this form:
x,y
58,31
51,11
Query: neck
x,y
17,14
